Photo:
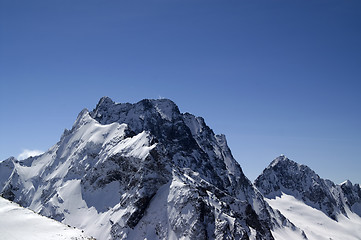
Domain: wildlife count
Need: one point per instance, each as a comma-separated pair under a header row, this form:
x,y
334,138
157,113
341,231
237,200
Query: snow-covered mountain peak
x,y
284,176
143,170
322,208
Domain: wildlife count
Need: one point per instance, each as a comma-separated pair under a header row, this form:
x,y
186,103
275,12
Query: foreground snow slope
x,y
18,223
316,224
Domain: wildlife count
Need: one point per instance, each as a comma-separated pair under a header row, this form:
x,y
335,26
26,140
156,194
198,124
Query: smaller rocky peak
x,y
288,171
284,165
286,176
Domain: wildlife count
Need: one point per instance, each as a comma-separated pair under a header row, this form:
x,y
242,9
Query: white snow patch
x,y
137,146
253,234
23,224
287,234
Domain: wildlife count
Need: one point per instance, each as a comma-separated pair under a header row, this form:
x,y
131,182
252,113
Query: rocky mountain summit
x,y
142,171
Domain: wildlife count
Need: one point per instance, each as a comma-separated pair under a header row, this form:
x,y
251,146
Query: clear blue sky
x,y
277,77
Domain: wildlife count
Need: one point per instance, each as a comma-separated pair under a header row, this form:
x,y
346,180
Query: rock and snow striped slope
x,y
18,223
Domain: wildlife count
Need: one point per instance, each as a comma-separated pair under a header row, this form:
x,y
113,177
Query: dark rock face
x,y
284,175
163,120
188,143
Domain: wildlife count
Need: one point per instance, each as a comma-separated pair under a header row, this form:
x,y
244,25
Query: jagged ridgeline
x,y
143,170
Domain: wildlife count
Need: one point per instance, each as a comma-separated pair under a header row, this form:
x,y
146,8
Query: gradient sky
x,y
277,77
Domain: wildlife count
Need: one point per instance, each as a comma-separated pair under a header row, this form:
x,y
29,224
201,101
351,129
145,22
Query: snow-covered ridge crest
x,y
315,223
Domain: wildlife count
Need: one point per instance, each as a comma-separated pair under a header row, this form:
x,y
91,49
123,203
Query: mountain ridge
x,y
119,159
146,170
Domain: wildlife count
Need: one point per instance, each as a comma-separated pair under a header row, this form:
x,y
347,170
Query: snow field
x,y
18,223
316,225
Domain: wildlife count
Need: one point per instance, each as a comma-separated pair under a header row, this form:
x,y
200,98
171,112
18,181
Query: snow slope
x,y
18,223
316,224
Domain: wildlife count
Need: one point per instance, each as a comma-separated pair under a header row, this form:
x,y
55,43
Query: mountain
x,y
22,224
143,171
323,209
